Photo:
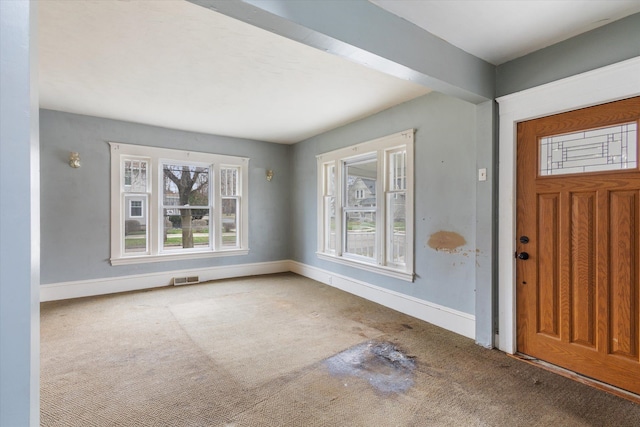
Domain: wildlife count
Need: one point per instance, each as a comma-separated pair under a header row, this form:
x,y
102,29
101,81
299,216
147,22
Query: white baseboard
x,y
444,317
447,318
86,288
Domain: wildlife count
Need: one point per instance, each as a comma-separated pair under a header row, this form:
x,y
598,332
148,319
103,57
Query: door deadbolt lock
x,y
524,239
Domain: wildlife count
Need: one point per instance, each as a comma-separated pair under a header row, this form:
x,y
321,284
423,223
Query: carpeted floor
x,y
283,350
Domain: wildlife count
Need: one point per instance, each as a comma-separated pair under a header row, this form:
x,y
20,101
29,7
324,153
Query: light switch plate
x,y
482,174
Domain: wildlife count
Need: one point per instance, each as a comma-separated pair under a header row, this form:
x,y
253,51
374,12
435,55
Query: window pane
x,y
604,149
185,185
229,222
397,171
361,184
135,226
229,181
396,203
127,173
330,179
135,208
135,176
361,233
330,225
186,228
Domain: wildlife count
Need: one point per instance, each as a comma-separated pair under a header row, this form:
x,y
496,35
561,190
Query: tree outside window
x,y
172,204
190,185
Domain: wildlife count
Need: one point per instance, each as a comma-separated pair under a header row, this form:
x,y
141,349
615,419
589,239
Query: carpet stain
x,y
382,364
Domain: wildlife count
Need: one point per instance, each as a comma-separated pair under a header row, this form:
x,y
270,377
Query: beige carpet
x,y
283,350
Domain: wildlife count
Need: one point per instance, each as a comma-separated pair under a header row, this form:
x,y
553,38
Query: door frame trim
x,y
606,84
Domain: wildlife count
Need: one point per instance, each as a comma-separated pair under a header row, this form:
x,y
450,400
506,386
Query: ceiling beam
x,y
367,34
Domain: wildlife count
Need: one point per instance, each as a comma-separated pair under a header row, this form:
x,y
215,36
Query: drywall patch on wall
x,y
446,241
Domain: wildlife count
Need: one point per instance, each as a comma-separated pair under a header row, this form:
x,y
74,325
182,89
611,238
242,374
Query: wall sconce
x,y
74,159
269,175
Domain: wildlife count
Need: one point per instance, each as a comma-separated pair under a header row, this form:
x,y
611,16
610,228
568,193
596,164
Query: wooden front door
x,y
578,222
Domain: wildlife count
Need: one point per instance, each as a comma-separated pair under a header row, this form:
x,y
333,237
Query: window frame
x,y
156,158
347,209
381,149
238,202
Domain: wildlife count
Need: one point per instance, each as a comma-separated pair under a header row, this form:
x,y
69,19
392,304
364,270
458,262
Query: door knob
x,y
523,255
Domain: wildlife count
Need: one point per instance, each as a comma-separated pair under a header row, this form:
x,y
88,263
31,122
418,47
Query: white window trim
x,y
380,146
239,199
155,157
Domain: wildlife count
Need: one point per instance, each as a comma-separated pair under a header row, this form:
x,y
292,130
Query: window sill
x,y
397,274
175,257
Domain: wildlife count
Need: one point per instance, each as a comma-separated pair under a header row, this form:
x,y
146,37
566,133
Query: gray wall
x,y
445,195
453,139
19,217
603,46
76,202
486,204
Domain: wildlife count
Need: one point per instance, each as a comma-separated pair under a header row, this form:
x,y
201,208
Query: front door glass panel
x,y
595,150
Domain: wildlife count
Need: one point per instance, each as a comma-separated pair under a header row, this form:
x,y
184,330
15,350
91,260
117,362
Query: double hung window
x,y
365,205
171,204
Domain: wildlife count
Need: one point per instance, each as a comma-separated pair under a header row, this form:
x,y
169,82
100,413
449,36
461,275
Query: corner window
x,y
171,204
365,205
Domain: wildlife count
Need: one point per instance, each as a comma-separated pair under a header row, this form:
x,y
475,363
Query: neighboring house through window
x,y
135,209
365,205
172,204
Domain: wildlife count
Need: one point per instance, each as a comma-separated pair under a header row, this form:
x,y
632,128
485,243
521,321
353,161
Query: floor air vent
x,y
189,280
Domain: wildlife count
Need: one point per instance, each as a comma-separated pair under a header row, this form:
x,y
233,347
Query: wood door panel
x,y
578,294
620,371
548,296
582,269
588,118
623,293
595,181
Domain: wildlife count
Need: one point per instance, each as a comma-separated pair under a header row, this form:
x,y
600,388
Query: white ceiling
x,y
501,30
179,65
175,64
